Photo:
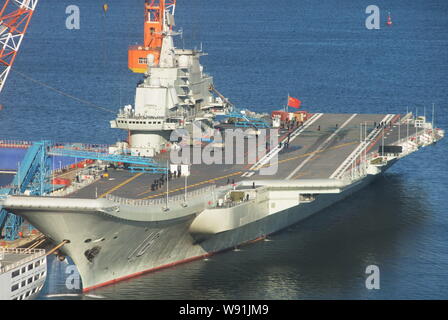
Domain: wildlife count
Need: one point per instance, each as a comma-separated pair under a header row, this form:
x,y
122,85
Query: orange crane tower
x,y
157,13
15,16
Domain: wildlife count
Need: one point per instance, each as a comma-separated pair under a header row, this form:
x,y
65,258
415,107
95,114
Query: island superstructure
x,y
125,220
174,91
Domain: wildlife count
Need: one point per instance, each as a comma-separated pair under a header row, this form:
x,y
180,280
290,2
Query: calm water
x,y
320,52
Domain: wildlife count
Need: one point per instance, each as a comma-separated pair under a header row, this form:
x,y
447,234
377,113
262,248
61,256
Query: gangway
x,y
84,154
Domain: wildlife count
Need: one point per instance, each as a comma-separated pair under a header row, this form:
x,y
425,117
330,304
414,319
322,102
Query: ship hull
x,y
107,250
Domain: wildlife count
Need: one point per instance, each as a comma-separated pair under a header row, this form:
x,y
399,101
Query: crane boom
x,y
157,15
15,16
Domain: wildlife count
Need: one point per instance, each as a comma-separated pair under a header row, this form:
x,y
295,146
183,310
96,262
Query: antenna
x,y
365,147
167,184
52,182
432,122
181,32
185,188
415,124
433,113
185,194
18,175
407,126
155,13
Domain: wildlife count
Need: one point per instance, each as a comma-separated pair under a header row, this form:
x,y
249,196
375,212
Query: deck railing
x,y
31,255
179,198
15,144
75,186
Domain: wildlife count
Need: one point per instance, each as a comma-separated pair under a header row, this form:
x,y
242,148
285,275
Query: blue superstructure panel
x,y
31,175
83,154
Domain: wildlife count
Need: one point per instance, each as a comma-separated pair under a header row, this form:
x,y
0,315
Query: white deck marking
x,y
321,146
337,174
277,149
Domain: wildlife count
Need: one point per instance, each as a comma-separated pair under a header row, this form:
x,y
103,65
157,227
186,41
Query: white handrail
x,y
161,201
32,254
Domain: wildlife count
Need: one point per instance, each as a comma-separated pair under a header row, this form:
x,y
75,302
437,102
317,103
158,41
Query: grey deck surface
x,y
320,161
10,258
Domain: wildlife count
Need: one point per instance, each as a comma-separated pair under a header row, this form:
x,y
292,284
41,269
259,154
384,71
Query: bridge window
x,y
15,287
143,60
15,273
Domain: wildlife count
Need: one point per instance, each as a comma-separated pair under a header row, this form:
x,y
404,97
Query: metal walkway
x,y
84,154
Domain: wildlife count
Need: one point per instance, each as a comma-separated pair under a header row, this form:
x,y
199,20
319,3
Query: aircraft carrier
x,y
121,218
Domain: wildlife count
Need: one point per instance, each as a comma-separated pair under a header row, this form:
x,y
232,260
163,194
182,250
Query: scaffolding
x,y
34,172
31,178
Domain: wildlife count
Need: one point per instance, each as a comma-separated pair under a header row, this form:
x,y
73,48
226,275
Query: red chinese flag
x,y
293,102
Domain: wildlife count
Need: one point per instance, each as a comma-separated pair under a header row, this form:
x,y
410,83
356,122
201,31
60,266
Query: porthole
x,y
87,240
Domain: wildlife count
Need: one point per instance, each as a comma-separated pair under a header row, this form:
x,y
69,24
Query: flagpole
x,y
432,123
432,117
167,182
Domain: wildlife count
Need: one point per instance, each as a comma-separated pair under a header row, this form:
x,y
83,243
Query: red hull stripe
x,y
133,275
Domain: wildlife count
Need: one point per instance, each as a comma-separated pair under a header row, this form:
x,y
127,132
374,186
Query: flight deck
x,y
315,151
